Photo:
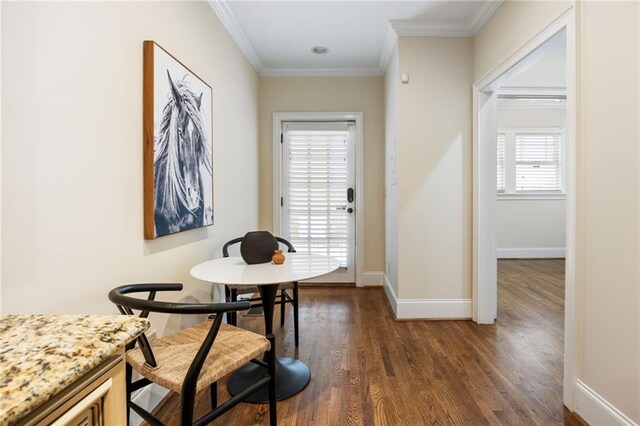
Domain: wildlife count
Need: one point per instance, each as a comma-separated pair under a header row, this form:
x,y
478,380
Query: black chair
x,y
232,291
195,358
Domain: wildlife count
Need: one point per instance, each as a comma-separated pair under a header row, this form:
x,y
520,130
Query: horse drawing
x,y
181,157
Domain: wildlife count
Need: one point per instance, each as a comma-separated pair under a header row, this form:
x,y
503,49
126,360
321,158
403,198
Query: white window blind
x,y
500,176
538,162
316,182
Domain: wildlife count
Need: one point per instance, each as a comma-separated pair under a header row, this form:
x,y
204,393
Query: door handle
x,y
350,195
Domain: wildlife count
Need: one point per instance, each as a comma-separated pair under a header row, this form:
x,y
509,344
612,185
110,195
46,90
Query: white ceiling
x,y
277,36
546,67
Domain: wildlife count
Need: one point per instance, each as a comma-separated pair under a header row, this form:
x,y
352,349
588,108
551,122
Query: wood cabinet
x,y
98,398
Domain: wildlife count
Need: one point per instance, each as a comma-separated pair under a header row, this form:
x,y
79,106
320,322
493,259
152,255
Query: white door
x,y
318,188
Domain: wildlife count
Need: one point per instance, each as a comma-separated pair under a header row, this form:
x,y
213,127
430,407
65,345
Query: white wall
x,y
510,115
608,213
609,202
428,177
434,169
72,144
1,7
391,93
512,25
530,227
544,68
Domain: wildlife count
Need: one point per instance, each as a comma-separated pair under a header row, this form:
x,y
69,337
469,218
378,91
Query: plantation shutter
x,y
538,162
500,176
315,188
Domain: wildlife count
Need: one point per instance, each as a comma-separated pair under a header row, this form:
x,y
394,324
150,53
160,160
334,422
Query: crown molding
x,y
483,15
322,72
231,24
408,28
390,41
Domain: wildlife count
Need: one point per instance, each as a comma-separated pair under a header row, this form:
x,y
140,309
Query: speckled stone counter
x,y
40,355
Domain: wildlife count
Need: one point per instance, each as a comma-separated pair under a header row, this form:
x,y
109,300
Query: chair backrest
x,y
126,305
225,248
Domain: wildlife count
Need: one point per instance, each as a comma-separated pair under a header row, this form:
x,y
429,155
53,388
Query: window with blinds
x,y
538,162
500,175
316,179
529,161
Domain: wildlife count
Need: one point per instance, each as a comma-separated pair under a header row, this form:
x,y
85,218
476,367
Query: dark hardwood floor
x,y
368,369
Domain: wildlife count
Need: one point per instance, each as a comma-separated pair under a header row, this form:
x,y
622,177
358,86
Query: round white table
x,y
292,375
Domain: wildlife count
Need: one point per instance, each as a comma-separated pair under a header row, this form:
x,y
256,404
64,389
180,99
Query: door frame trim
x,y
484,285
358,117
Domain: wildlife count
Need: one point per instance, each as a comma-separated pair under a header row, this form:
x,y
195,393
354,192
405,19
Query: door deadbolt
x,y
350,195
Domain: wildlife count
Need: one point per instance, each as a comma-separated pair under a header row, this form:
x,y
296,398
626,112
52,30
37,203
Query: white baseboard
x,y
372,278
391,295
427,308
148,398
531,253
596,410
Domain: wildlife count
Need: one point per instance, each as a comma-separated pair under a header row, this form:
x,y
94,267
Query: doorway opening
x,y
530,190
523,168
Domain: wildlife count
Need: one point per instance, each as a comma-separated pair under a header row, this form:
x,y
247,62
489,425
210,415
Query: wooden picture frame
x,y
177,151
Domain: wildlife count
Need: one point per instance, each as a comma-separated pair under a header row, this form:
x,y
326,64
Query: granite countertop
x,y
40,355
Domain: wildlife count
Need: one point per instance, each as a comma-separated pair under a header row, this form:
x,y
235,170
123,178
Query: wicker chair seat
x,y
233,348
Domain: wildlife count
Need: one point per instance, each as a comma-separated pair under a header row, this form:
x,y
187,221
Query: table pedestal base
x,y
292,376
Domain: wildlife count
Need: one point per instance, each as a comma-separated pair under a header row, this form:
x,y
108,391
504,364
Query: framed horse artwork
x,y
178,131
